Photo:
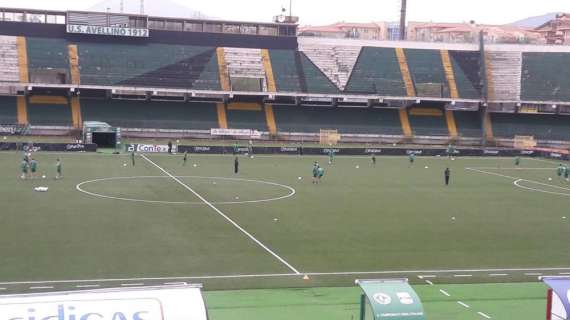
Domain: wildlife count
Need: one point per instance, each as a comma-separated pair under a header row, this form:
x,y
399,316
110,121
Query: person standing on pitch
x,y
133,157
169,147
447,174
374,160
517,161
412,158
236,165
331,156
315,172
58,170
24,168
185,158
33,167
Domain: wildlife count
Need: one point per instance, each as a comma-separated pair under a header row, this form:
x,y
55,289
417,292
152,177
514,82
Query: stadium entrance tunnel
x,y
389,299
163,190
105,139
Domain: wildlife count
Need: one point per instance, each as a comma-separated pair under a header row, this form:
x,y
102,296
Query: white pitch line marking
x,y
277,275
428,276
429,282
564,273
533,274
462,275
498,274
131,284
175,283
483,315
87,286
80,187
520,169
249,235
445,293
517,183
2,288
41,288
464,304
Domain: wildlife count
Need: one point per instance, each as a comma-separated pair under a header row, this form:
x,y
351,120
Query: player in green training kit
x,y
185,158
560,170
24,168
33,167
59,174
374,160
320,173
566,173
315,172
412,158
517,161
331,156
133,157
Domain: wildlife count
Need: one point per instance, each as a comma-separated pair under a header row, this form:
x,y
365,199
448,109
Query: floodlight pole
x,y
403,20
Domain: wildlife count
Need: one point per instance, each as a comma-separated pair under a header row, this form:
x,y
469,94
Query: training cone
x,y
306,277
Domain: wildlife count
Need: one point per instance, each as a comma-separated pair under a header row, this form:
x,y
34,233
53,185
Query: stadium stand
x,y
427,73
468,123
336,62
49,111
545,76
343,119
316,80
9,64
142,114
377,71
156,65
353,86
505,74
467,71
246,116
428,121
48,60
8,110
544,127
286,71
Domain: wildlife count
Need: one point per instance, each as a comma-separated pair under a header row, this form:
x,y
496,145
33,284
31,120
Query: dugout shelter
x,y
391,299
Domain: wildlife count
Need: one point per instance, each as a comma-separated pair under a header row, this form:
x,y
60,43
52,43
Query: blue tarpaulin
x,y
561,287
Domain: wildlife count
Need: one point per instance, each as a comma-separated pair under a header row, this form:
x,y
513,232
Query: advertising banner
x,y
150,303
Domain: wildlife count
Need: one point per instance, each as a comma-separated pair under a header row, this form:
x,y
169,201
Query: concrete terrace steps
x,y
336,62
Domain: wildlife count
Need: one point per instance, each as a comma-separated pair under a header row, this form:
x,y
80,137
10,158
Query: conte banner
x,y
108,31
150,148
151,303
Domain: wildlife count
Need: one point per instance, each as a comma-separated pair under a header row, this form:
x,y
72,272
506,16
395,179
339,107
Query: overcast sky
x,y
327,11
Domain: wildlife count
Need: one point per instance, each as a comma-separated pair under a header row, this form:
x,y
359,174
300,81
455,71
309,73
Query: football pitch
x,y
108,223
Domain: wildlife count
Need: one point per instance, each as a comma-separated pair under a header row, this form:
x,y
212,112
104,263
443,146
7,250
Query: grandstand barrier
x,y
53,147
388,151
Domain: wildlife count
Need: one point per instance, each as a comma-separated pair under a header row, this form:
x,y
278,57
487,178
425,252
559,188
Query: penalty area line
x,y
223,215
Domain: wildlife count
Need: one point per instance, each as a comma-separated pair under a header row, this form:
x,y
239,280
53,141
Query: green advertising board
x,y
390,299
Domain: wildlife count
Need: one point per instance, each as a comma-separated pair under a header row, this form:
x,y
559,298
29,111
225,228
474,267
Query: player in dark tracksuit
x,y
447,174
236,165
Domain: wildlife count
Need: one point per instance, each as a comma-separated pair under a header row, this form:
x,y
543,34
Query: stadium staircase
x,y
245,63
9,64
427,72
505,73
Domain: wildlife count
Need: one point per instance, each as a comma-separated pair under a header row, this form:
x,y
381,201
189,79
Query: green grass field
x,y
266,228
524,301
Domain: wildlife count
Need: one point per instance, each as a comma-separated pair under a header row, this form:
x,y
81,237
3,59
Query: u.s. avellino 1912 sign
x,y
107,31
